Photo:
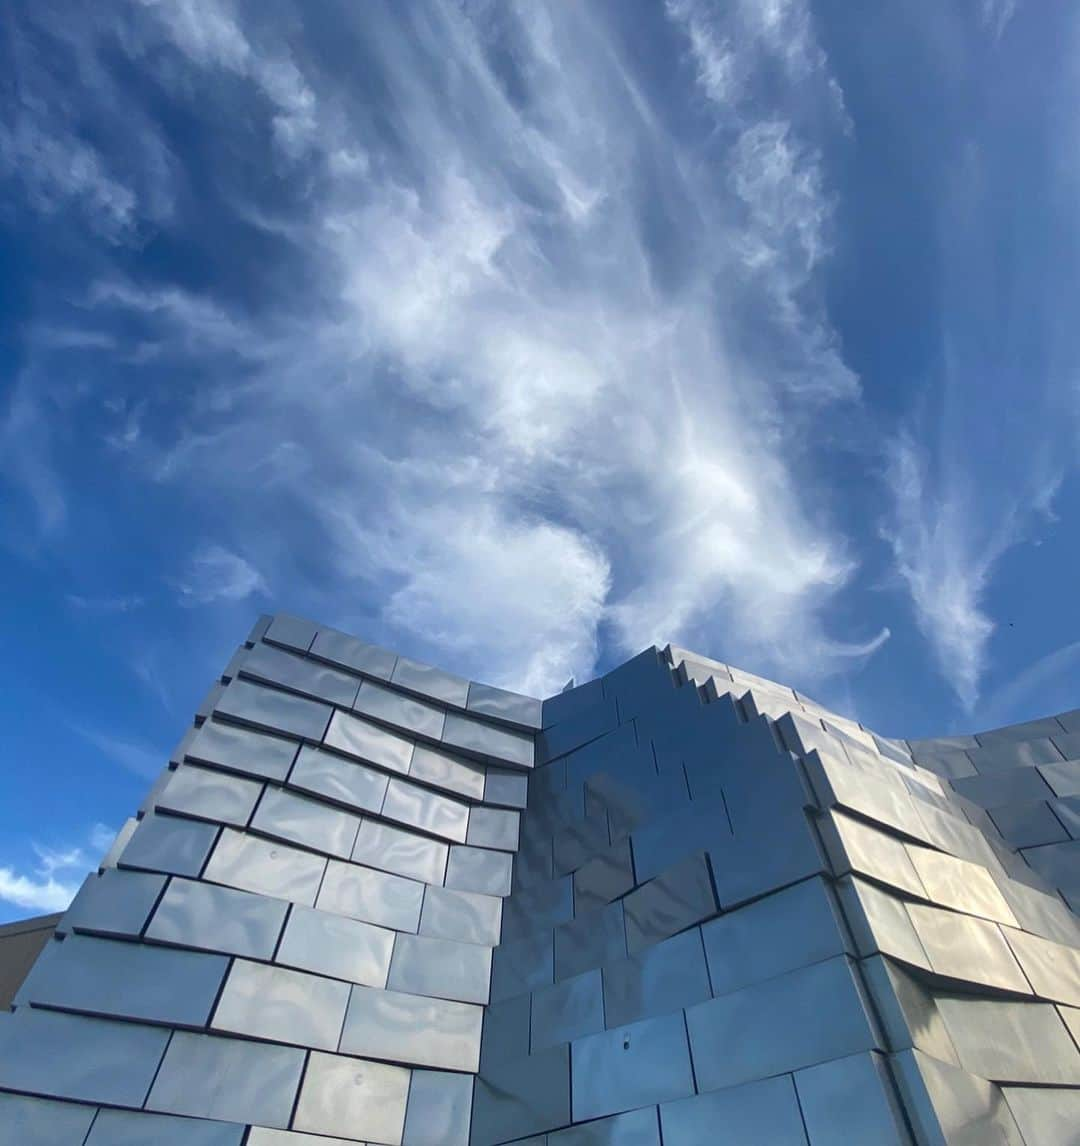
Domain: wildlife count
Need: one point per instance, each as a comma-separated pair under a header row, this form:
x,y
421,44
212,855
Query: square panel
x,y
567,1010
517,1097
479,869
345,1097
439,1109
463,915
657,981
676,899
511,789
493,828
444,770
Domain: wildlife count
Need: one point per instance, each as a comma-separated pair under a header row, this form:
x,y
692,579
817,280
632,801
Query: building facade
x,y
369,901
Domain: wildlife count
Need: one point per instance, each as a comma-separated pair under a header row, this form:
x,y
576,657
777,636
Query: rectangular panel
x,y
522,1096
68,1056
493,828
369,742
522,964
114,903
631,1066
440,968
137,1128
332,945
373,896
590,941
232,1079
676,899
502,744
413,1029
566,1010
966,948
1052,968
343,781
657,981
340,649
164,843
855,846
578,842
278,711
400,710
346,1097
128,980
506,1031
963,886
26,1121
275,666
1063,778
303,821
218,919
879,922
242,750
439,1110
295,632
401,852
850,1100
511,789
756,1112
209,795
463,915
268,868
285,1006
478,869
776,1026
1045,1116
502,705
443,770
604,878
542,905
420,808
433,682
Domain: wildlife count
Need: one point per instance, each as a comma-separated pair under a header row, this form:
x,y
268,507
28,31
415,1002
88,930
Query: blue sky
x,y
518,337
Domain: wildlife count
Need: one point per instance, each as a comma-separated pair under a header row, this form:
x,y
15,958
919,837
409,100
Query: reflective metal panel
x,y
306,822
279,711
374,896
271,869
400,710
331,945
638,1128
487,740
218,918
209,795
756,1112
522,964
590,941
964,947
1063,778
631,1066
264,662
506,1030
516,1097
566,1010
439,1109
963,886
242,750
538,906
463,915
347,651
850,1100
28,1121
502,705
773,1027
493,828
1052,968
129,980
478,869
113,903
441,968
92,1060
419,808
232,1079
346,1097
906,1009
163,843
343,781
368,741
433,682
1046,1117
401,852
676,899
446,771
413,1029
508,788
604,878
135,1128
880,922
657,981
292,631
855,846
285,1006
262,1136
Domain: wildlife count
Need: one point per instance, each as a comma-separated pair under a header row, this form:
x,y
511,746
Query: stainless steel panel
x,y
776,934
638,1128
332,945
1052,968
116,848
493,828
855,846
478,869
879,922
850,1100
963,886
590,941
998,788
324,774
662,979
278,711
402,711
1025,754
963,947
346,1097
268,868
292,631
566,1010
578,842
303,821
26,1121
136,1128
369,742
522,964
433,682
340,649
906,1010
163,843
241,750
506,1030
127,980
1028,825
235,1080
262,1136
374,896
218,918
466,916
510,789
676,899
604,878
210,795
541,905
439,1109
413,1028
1046,1117
1067,811
449,772
266,663
68,1056
756,1112
400,852
420,808
113,903
284,1006
523,1096
504,744
1058,864
630,1066
502,705
441,968
1064,778
776,1026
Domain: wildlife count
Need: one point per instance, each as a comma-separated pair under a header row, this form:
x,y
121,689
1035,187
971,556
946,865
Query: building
x,y
371,901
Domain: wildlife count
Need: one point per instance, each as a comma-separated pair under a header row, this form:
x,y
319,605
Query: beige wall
x,y
20,944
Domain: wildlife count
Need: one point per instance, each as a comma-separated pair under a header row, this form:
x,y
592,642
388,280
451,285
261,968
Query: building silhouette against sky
x,y
371,901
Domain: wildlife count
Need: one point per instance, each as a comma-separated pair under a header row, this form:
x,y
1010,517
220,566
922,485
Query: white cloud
x,y
214,573
50,883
